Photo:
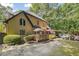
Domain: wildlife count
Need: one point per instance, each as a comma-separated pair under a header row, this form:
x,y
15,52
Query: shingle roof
x,y
30,13
35,15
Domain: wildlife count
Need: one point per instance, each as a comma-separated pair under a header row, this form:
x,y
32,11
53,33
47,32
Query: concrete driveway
x,y
34,49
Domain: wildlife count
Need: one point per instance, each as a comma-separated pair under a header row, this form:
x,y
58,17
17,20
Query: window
x,y
22,22
22,32
37,22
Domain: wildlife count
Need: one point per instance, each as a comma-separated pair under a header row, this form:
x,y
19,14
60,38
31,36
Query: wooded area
x,y
4,14
63,17
60,16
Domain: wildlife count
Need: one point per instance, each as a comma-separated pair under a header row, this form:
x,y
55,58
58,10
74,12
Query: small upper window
x,y
22,22
37,22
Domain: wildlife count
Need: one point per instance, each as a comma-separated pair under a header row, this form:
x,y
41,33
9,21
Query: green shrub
x,y
1,37
12,39
29,38
1,27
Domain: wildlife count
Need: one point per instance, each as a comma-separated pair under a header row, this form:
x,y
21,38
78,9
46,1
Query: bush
x,y
1,27
1,37
12,39
29,38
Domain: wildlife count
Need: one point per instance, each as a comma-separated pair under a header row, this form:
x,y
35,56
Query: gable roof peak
x,y
25,12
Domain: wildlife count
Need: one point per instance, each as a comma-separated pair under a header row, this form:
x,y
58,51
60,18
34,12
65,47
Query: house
x,y
24,23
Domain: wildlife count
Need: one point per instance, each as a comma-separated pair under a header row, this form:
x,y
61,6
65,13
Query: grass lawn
x,y
68,48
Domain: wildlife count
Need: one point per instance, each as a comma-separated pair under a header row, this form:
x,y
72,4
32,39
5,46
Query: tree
x,y
60,16
4,11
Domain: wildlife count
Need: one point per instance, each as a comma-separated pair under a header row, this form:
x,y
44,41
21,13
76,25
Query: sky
x,y
39,1
17,6
20,6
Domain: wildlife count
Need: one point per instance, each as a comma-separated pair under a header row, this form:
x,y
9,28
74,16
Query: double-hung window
x,y
22,22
